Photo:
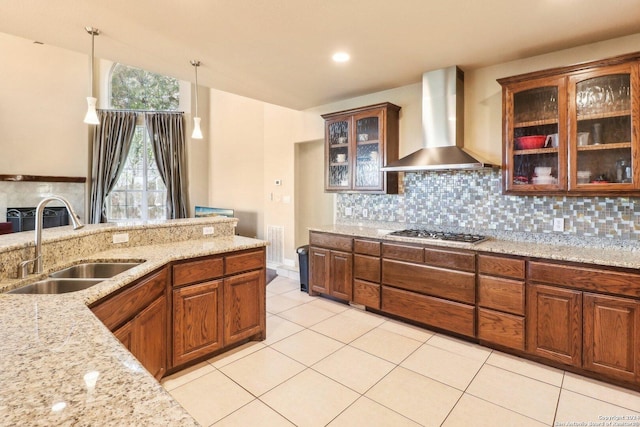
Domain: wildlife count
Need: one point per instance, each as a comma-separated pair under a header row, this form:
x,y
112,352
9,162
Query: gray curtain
x,y
111,142
166,131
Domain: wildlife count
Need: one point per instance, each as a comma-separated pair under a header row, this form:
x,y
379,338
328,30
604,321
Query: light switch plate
x,y
121,238
207,231
558,224
348,211
365,213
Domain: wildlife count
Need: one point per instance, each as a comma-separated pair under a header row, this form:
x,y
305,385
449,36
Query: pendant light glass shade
x,y
91,117
197,132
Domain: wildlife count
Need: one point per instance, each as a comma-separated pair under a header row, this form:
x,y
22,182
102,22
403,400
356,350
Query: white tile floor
x,y
325,363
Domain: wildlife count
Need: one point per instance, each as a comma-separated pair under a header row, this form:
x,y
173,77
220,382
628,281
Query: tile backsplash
x,y
472,201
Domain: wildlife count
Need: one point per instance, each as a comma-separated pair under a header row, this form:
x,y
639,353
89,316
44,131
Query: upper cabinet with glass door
x,y
535,144
573,130
357,144
603,128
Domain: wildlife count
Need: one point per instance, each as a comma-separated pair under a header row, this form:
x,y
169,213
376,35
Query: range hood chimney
x,y
442,126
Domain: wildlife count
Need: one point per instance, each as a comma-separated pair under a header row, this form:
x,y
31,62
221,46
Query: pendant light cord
x,y
196,64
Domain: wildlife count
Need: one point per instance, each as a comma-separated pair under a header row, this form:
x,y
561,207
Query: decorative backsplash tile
x,y
473,201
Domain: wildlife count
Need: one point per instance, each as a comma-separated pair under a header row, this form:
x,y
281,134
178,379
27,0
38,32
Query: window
x,y
140,193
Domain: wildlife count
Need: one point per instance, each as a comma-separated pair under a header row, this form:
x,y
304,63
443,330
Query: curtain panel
x,y
166,131
111,142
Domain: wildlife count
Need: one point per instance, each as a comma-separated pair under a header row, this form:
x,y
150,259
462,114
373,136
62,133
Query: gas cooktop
x,y
439,235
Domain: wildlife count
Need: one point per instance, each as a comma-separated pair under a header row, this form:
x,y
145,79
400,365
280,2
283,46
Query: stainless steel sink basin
x,y
56,286
94,270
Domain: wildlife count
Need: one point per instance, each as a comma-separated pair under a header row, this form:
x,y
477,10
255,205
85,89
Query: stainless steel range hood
x,y
442,126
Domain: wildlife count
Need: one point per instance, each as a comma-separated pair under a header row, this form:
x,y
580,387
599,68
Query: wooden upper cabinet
x,y
358,143
573,130
534,114
603,130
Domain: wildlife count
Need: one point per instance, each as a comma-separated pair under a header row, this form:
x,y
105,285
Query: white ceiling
x,y
279,51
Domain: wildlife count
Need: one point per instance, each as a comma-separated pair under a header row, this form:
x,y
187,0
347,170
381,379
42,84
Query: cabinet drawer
x,y
501,266
197,271
331,241
366,268
366,247
450,259
501,328
121,307
448,315
440,282
366,293
589,279
501,294
403,252
244,262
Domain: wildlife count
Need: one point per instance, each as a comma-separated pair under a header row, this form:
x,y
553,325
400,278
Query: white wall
x,y
42,105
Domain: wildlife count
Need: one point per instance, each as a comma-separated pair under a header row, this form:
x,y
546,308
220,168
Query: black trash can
x,y
303,261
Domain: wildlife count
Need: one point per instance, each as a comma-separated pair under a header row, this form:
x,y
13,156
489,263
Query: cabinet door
x,y
244,306
603,139
611,336
340,278
554,323
124,334
338,153
535,136
197,321
149,337
319,260
369,151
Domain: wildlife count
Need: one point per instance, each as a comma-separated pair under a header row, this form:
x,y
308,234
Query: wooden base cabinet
x,y
244,306
554,323
218,301
331,266
612,336
137,316
501,301
197,321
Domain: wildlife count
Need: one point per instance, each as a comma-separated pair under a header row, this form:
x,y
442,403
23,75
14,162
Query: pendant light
x,y
197,133
91,117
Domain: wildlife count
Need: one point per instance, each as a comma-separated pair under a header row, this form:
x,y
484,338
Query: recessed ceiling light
x,y
340,57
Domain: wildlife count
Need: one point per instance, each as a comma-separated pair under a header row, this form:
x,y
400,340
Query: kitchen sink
x,y
76,278
56,286
94,270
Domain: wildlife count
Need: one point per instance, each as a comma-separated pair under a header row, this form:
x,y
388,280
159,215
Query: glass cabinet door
x,y
338,154
602,141
536,139
368,155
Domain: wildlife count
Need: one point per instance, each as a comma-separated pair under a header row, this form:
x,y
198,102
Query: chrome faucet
x,y
23,267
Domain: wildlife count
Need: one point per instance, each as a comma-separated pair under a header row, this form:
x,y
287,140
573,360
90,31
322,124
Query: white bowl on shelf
x,y
542,171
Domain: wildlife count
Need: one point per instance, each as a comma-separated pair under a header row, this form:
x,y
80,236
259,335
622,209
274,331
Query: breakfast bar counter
x,y
59,365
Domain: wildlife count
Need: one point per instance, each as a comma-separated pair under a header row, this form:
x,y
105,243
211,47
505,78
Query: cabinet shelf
x,y
604,115
616,146
346,145
369,142
532,123
535,151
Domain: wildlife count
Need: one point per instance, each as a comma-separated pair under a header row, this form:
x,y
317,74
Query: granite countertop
x,y
585,252
59,365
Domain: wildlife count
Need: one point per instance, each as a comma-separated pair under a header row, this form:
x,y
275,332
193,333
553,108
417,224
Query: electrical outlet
x,y
348,211
558,224
121,238
365,213
207,231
